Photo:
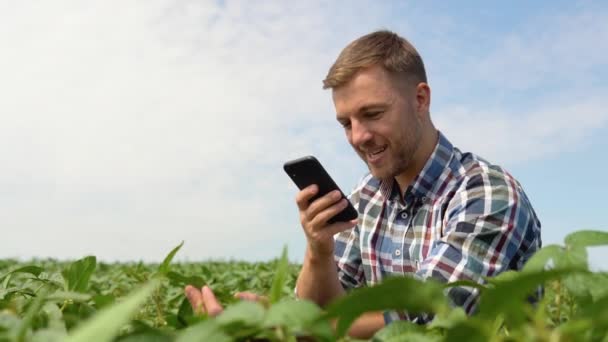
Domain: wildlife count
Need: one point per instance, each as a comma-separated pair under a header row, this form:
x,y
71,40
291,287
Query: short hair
x,y
394,53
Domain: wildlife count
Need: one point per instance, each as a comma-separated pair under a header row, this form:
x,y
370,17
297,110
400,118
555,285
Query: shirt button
x,y
425,199
404,215
397,252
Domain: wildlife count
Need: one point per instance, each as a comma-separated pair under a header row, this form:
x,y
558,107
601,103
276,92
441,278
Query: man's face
x,y
378,113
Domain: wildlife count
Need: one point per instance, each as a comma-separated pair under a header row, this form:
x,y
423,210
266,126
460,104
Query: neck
x,y
421,156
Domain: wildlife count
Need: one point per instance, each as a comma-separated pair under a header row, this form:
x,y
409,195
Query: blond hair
x,y
383,47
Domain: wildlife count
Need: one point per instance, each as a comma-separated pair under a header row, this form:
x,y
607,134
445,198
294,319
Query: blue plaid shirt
x,y
461,218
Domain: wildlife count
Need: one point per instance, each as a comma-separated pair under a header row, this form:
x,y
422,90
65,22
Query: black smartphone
x,y
308,170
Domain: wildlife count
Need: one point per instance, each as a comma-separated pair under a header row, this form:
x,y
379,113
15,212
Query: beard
x,y
401,154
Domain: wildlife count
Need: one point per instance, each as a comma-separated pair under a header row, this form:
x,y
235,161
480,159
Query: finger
x,y
195,297
320,219
323,203
303,197
212,305
253,297
338,227
247,296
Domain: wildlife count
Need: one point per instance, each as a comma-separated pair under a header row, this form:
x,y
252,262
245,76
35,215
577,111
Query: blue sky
x,y
127,127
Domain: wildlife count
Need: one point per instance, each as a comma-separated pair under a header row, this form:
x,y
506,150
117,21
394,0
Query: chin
x,y
380,173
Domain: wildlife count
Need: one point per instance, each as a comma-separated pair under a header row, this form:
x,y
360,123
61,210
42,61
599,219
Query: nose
x,y
360,134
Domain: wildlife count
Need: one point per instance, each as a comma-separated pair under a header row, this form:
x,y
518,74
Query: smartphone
x,y
308,170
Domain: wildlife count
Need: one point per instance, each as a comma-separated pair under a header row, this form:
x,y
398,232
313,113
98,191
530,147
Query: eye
x,y
374,114
344,123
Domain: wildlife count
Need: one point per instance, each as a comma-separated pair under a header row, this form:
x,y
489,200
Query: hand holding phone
x,y
308,170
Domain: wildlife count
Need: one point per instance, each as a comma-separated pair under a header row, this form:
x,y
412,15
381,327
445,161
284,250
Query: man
x,y
426,209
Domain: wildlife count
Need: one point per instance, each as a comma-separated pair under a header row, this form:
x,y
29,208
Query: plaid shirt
x,y
462,218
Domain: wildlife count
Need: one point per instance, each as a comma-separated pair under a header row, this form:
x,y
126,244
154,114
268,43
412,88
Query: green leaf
x,y
539,260
394,293
453,318
28,318
164,268
180,280
71,296
142,332
508,296
208,330
101,301
587,238
242,315
185,317
403,331
105,325
78,274
470,330
465,283
300,317
278,283
31,269
597,312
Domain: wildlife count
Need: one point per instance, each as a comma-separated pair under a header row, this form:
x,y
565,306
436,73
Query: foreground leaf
x,y
539,260
208,330
395,293
280,278
107,323
299,317
587,238
508,296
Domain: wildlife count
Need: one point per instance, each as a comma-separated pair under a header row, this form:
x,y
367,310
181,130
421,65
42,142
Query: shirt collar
x,y
422,187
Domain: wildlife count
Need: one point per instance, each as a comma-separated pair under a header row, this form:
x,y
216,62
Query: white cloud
x,y
126,127
158,121
515,137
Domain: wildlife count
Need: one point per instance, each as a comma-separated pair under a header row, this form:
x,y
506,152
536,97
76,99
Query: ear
x,y
423,98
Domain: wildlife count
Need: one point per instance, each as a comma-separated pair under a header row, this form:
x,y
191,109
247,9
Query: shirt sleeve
x,y
488,227
347,251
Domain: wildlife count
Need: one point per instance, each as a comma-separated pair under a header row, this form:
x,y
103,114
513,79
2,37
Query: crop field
x,y
86,300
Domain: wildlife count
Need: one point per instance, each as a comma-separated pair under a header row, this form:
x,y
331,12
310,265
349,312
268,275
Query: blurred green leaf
x,y
508,297
539,260
597,312
71,296
587,238
208,330
107,323
471,330
280,277
300,316
465,283
403,331
101,301
164,268
242,315
178,279
78,274
28,318
394,293
449,320
31,269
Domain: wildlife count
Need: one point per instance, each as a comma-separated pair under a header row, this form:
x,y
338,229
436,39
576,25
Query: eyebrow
x,y
365,108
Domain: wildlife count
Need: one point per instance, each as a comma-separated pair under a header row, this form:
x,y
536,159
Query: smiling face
x,y
385,119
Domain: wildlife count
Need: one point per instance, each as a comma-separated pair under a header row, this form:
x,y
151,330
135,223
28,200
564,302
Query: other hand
x,y
203,301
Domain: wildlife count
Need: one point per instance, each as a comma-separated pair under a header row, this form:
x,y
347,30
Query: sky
x,y
127,127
